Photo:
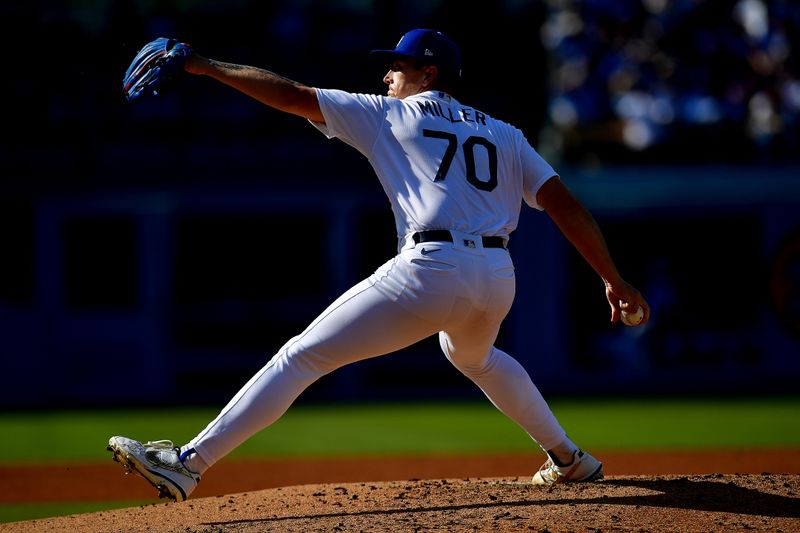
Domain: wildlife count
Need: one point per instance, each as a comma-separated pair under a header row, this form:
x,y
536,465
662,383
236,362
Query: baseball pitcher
x,y
456,178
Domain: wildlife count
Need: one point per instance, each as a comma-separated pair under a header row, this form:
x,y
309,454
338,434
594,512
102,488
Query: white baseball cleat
x,y
158,462
583,467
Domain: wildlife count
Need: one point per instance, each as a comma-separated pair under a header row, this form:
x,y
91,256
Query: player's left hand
x,y
156,63
622,295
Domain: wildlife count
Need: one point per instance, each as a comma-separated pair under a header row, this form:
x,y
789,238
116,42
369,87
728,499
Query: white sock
x,y
192,460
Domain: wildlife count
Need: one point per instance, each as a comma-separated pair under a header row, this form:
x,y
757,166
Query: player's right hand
x,y
622,295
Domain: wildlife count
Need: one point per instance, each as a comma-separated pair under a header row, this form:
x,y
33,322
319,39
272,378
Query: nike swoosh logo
x,y
425,251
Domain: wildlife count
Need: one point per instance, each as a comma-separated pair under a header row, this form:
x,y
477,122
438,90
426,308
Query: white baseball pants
x,y
461,292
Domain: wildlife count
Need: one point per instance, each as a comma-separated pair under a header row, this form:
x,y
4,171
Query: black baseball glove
x,y
154,65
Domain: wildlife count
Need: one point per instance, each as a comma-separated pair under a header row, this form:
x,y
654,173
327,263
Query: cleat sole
x,y
597,475
163,493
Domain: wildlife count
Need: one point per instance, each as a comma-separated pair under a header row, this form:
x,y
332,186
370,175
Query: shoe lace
x,y
549,471
159,444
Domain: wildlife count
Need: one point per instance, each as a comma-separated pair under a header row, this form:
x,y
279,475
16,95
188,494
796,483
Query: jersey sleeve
x,y
535,172
354,118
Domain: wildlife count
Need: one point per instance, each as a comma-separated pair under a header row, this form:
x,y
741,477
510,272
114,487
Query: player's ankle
x,y
564,453
192,461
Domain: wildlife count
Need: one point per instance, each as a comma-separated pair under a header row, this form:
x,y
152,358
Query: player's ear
x,y
430,75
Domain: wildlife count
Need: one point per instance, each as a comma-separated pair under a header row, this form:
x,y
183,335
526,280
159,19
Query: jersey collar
x,y
438,95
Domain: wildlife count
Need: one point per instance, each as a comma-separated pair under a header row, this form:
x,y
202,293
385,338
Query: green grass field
x,y
423,428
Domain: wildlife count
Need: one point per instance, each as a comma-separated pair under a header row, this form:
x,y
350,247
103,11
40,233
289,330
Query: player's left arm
x,y
265,86
581,229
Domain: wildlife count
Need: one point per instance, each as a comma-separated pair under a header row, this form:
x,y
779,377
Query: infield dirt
x,y
705,503
355,495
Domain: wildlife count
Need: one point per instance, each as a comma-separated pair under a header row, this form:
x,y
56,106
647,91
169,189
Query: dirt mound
x,y
704,503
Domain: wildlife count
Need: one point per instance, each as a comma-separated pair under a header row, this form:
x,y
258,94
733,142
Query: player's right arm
x,y
267,87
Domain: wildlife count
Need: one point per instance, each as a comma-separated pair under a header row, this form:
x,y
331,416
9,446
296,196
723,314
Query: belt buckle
x,y
469,243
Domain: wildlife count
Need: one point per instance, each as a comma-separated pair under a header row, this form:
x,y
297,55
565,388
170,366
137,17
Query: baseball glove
x,y
154,65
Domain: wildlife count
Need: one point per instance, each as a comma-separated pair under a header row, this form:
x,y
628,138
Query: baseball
x,y
633,319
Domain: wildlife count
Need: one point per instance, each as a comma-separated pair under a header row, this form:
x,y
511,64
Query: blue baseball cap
x,y
428,45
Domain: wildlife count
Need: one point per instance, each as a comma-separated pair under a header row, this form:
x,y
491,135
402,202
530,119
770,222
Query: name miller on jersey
x,y
466,114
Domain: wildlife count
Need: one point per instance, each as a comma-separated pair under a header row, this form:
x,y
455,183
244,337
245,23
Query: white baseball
x,y
634,318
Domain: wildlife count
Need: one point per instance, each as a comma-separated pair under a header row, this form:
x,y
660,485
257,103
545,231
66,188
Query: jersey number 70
x,y
469,158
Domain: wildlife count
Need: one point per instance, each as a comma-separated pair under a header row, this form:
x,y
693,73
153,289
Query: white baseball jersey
x,y
443,165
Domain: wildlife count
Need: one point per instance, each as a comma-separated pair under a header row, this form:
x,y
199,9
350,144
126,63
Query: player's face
x,y
405,79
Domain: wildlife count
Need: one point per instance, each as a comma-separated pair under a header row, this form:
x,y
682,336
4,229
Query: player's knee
x,y
307,358
469,362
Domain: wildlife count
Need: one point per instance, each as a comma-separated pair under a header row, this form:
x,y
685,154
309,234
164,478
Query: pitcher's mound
x,y
707,503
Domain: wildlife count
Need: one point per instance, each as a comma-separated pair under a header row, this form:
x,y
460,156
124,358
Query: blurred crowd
x,y
680,80
591,81
105,205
